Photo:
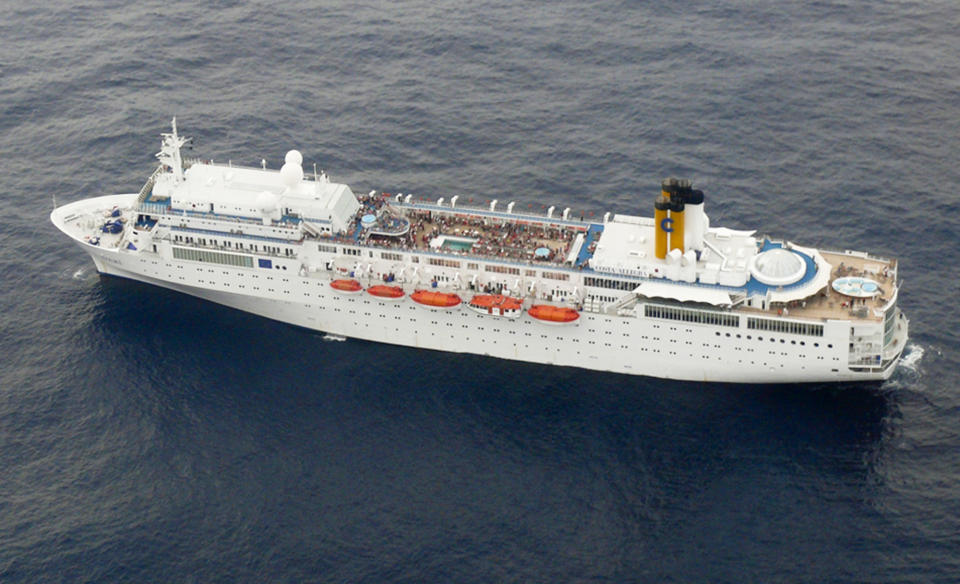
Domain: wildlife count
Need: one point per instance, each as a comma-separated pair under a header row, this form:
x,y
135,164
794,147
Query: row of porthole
x,y
749,337
608,345
773,340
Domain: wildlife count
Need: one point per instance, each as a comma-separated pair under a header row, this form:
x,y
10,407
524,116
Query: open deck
x,y
502,239
830,304
475,232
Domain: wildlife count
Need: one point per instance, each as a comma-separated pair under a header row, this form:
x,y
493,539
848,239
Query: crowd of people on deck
x,y
492,237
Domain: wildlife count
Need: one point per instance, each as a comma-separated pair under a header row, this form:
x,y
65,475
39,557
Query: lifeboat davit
x,y
436,299
346,286
496,305
553,314
386,292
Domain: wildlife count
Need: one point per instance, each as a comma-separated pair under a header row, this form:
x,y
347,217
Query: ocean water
x,y
151,437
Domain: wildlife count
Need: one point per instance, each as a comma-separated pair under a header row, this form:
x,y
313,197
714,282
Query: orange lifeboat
x,y
496,305
346,286
553,314
386,292
436,299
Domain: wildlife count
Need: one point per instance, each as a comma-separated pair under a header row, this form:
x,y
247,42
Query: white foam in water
x,y
911,358
908,373
81,273
330,337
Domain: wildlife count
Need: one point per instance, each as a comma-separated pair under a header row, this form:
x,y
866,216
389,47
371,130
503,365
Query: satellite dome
x,y
291,174
778,267
294,157
267,202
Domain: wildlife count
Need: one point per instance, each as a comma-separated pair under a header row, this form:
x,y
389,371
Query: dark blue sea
x,y
147,436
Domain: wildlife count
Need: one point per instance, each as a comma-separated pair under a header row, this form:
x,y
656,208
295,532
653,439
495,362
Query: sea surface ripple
x,y
150,437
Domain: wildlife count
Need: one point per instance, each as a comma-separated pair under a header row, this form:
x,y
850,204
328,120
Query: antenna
x,y
169,154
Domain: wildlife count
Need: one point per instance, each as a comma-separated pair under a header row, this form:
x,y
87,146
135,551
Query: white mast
x,y
169,154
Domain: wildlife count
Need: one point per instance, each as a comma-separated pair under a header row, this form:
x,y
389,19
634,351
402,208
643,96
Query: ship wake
x,y
911,358
909,372
81,274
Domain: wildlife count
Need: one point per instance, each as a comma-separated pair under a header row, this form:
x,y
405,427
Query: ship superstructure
x,y
666,296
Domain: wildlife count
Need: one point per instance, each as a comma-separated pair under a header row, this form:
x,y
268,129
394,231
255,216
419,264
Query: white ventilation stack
x,y
696,222
269,207
688,270
672,267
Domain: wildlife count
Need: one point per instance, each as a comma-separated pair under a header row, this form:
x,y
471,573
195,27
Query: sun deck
x,y
476,232
502,239
830,304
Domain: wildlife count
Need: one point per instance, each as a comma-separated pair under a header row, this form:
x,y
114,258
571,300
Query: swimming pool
x,y
856,287
452,243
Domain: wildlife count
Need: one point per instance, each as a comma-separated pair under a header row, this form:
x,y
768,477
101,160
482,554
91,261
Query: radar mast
x,y
169,154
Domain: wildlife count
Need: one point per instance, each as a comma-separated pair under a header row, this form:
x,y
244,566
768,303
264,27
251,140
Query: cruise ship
x,y
668,296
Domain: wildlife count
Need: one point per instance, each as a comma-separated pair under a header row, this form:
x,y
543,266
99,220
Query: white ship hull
x,y
669,297
635,346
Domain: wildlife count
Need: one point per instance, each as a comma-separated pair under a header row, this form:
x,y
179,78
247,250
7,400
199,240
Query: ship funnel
x,y
677,207
668,216
661,225
667,187
695,221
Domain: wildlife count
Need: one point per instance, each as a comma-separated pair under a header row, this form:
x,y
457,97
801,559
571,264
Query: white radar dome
x,y
291,174
778,267
294,157
267,202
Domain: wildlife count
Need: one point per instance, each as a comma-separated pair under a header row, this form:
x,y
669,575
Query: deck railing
x,y
148,186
